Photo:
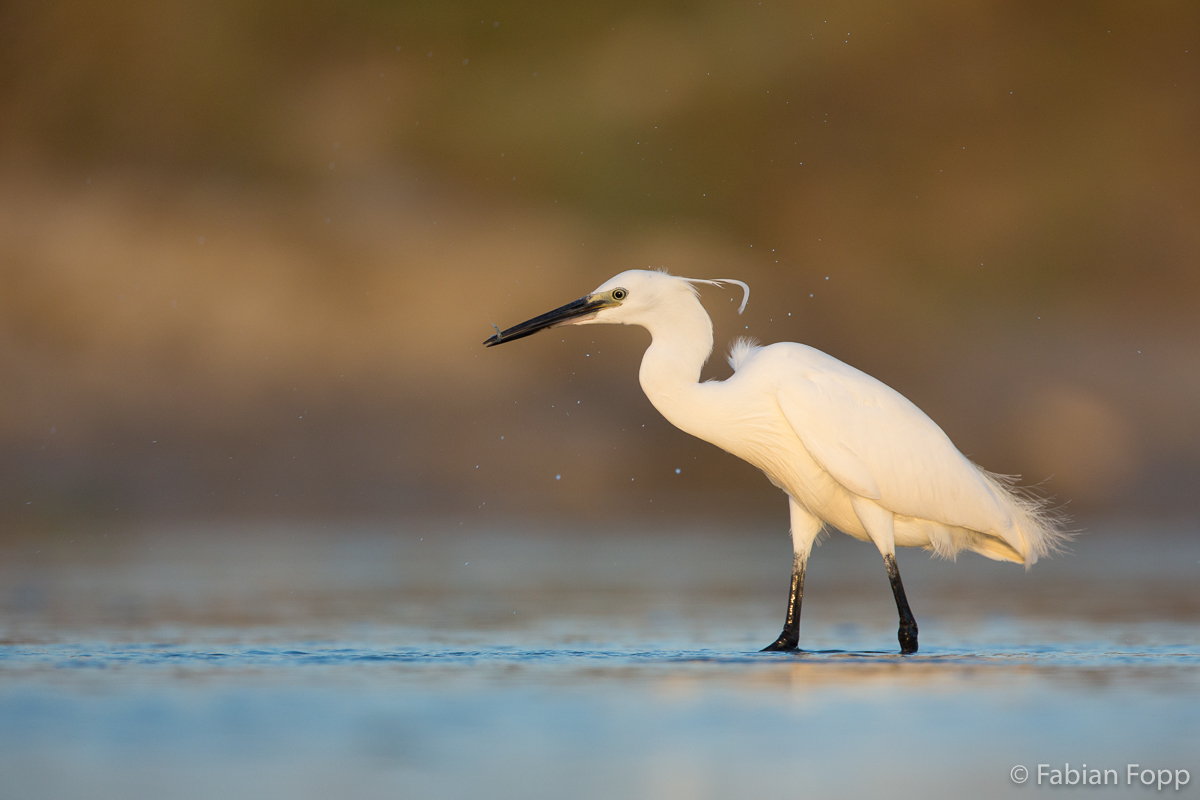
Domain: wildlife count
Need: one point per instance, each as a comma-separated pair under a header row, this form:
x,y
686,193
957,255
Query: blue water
x,y
425,663
25,661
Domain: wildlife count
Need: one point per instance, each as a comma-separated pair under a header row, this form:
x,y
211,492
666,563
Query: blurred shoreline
x,y
247,273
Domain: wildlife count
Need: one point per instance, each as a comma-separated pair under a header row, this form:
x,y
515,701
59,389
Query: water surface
x,y
424,661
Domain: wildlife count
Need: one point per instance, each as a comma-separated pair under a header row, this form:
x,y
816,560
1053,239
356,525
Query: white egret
x,y
849,451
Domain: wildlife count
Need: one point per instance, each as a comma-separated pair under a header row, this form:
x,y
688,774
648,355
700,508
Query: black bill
x,y
571,312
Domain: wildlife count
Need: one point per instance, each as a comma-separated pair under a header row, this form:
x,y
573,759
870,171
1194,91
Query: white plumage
x,y
848,450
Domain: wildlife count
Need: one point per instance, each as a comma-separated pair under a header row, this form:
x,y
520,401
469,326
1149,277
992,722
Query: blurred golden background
x,y
249,250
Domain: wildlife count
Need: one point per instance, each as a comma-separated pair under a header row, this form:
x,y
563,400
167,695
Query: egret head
x,y
634,297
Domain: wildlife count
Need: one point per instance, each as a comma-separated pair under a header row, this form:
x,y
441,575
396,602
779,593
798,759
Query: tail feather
x,y
1039,525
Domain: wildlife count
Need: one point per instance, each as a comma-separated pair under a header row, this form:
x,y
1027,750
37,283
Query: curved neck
x,y
682,343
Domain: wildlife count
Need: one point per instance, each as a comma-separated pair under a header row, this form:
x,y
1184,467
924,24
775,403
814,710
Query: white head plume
x,y
720,281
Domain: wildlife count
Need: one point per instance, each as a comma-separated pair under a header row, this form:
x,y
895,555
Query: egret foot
x,y
782,644
908,623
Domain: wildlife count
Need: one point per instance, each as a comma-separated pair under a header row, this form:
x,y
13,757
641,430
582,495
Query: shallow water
x,y
422,661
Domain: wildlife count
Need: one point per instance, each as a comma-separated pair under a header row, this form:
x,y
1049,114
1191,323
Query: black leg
x,y
791,626
908,624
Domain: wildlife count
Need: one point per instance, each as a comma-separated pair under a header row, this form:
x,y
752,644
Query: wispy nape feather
x,y
741,349
720,281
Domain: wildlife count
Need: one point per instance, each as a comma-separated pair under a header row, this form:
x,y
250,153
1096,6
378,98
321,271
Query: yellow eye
x,y
619,294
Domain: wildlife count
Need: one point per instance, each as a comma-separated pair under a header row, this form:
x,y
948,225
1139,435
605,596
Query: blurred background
x,y
249,250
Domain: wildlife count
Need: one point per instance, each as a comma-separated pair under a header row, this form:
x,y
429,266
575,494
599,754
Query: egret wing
x,y
878,445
